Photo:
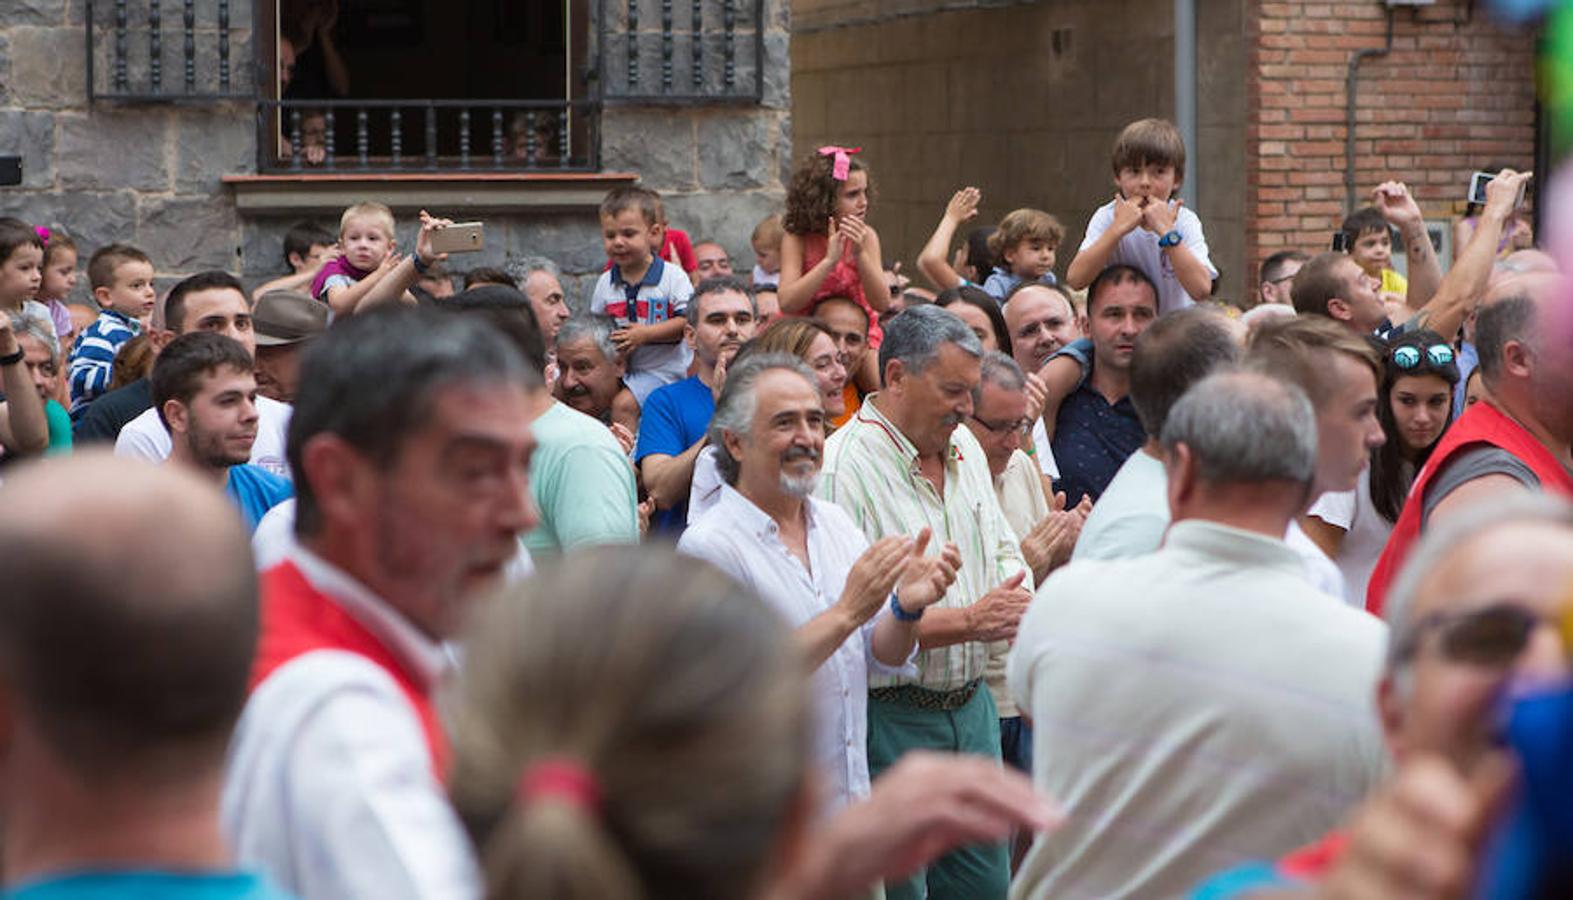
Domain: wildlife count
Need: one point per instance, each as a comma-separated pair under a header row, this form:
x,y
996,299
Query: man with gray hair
x,y
1474,610
590,372
1518,440
1233,714
854,606
28,373
542,283
898,467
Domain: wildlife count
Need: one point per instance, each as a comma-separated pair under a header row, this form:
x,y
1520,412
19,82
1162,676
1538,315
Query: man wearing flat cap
x,y
285,321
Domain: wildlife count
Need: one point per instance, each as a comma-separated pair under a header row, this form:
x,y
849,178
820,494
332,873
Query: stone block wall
x,y
151,174
1455,93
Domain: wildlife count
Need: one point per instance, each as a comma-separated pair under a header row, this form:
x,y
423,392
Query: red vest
x,y
1480,424
297,619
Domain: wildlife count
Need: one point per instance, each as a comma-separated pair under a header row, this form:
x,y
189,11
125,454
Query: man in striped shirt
x,y
122,279
899,466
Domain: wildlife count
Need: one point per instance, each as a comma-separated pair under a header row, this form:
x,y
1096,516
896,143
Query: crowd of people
x,y
807,583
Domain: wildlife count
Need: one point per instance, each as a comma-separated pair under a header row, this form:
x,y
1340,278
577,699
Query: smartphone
x,y
1477,189
460,237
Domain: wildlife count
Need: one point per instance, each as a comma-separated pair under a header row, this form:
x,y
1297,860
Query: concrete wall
x,y
1021,99
151,174
1456,92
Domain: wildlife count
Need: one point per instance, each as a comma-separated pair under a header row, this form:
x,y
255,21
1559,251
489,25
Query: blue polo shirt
x,y
673,419
256,490
1092,439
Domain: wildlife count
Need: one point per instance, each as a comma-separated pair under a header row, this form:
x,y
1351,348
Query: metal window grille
x,y
681,51
168,51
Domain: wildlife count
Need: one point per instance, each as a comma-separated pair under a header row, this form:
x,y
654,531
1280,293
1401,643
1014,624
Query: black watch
x,y
14,358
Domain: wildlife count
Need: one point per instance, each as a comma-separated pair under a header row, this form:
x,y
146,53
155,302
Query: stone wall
x,y
151,174
1022,99
1455,93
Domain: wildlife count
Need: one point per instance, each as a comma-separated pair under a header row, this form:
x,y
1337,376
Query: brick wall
x,y
1455,93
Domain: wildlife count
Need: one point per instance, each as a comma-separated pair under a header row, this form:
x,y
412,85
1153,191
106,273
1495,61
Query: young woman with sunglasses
x,y
1415,407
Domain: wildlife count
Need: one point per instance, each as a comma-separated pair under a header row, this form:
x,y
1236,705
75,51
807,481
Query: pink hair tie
x,y
43,234
842,167
562,779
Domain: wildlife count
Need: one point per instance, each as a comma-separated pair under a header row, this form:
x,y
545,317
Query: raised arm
x,y
1465,284
798,287
1393,200
1092,259
24,429
863,242
403,276
932,260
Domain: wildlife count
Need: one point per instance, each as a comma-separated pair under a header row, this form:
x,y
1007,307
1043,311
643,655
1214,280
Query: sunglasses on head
x,y
1494,636
1408,356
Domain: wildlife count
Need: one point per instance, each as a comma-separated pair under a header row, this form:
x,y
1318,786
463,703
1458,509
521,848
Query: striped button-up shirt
x,y
93,358
871,471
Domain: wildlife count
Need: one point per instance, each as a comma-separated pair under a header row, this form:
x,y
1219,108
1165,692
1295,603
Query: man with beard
x,y
411,448
206,395
854,606
672,428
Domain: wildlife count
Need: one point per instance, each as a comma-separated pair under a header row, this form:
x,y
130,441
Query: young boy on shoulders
x,y
1144,226
121,277
645,295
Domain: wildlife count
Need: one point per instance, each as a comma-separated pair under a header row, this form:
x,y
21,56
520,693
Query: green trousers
x,y
979,872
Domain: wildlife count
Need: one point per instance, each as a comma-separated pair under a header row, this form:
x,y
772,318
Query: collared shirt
x,y
660,296
330,790
93,358
145,437
1020,492
1092,439
871,471
1131,516
1193,709
743,541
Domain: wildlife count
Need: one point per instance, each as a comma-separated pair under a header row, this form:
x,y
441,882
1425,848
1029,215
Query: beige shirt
x,y
1193,709
871,472
1020,492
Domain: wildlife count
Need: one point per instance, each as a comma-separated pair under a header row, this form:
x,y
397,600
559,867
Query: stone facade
x,y
153,174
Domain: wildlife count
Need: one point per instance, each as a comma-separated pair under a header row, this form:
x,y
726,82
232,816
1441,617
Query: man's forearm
x,y
669,477
894,639
1425,273
1465,284
943,627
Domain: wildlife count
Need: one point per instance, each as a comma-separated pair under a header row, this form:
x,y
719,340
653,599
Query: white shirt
x,y
145,437
704,489
273,541
330,790
1043,453
741,540
1193,709
1131,515
1365,534
1321,570
1020,492
1140,249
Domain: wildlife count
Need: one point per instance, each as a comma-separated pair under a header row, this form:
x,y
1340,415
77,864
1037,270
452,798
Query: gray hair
x,y
1443,542
734,411
1508,319
521,269
1245,427
31,322
597,328
1002,372
915,335
717,285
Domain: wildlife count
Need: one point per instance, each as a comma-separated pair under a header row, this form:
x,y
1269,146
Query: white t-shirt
x,y
1131,515
1365,534
1321,571
145,437
1044,454
1140,249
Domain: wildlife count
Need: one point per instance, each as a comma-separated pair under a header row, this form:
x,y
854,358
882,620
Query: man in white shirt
x,y
411,446
209,301
1175,352
807,559
1202,705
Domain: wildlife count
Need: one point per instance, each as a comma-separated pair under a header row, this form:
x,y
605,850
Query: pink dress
x,y
843,281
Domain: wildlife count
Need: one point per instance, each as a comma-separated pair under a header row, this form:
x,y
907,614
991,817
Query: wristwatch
x,y
1172,239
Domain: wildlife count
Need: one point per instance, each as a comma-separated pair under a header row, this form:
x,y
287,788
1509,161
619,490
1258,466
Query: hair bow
x,y
842,167
43,234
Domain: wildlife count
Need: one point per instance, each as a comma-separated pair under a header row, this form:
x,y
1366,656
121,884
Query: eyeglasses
x,y
1022,425
1494,636
1408,356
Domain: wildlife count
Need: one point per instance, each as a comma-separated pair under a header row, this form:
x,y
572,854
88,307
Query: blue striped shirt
x,y
93,357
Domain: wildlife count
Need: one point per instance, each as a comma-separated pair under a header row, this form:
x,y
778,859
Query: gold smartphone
x,y
460,237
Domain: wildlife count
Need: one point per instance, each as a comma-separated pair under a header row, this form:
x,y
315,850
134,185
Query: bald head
x,y
127,655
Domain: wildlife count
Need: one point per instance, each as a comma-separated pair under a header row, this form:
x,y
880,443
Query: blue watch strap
x,y
901,614
1172,239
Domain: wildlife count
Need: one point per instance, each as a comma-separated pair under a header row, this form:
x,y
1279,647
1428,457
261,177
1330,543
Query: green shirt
x,y
582,483
59,428
871,471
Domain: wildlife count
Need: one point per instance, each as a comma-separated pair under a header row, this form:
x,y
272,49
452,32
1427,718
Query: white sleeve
x,y
136,441
1099,223
1190,227
1336,508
